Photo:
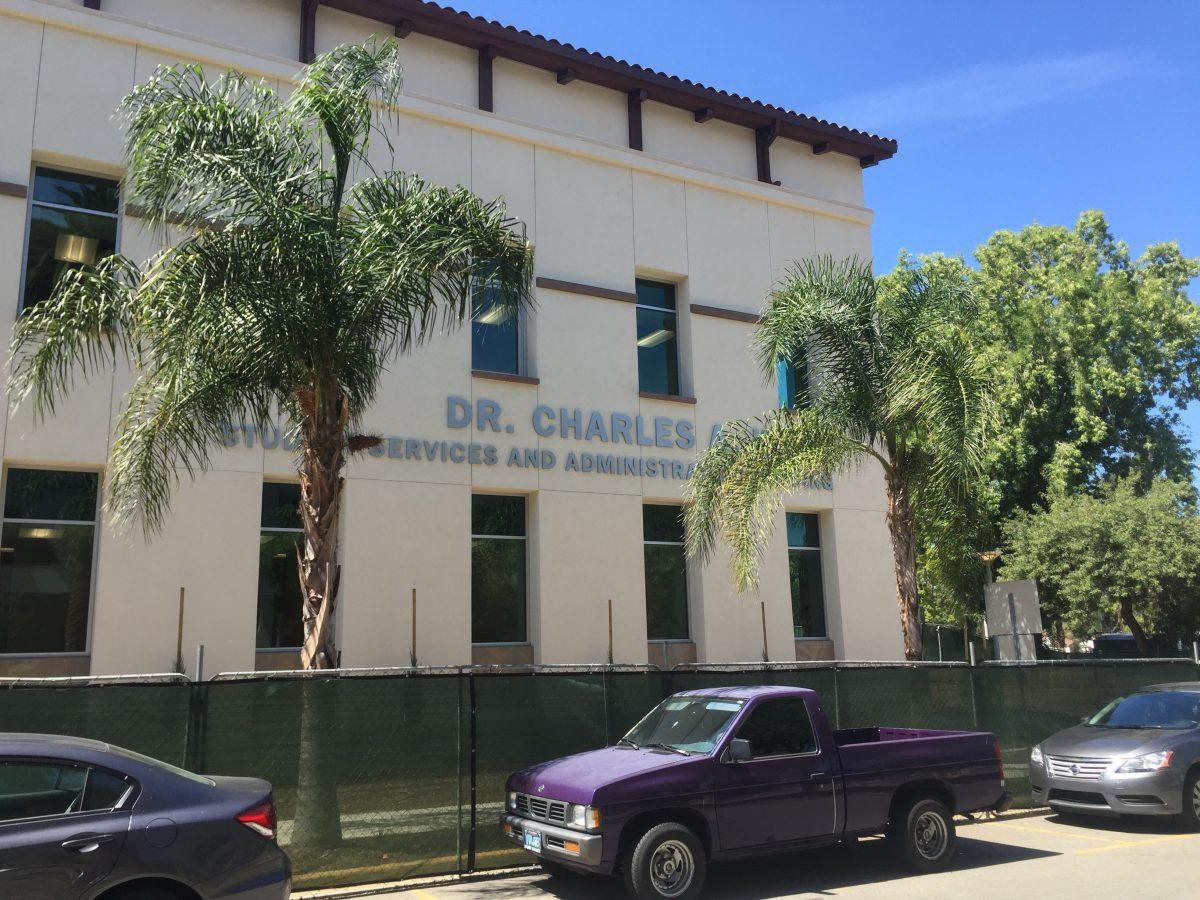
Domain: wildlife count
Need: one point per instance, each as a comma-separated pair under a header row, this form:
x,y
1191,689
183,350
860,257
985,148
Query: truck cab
x,y
729,773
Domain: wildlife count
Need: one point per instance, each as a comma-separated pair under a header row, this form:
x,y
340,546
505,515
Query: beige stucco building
x,y
660,211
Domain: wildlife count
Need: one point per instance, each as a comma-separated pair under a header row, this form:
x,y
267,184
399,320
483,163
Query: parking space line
x,y
1055,833
1121,845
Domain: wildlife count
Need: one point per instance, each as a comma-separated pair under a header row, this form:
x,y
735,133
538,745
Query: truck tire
x,y
1189,816
923,835
668,863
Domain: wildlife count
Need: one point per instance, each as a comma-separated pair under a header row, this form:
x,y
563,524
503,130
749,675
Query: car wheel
x,y
667,862
1189,817
923,835
555,870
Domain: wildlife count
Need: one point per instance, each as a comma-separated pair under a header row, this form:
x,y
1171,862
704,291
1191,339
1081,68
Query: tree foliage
x,y
1121,554
898,385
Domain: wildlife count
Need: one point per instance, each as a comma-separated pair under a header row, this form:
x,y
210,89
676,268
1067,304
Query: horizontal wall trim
x,y
716,312
12,189
670,398
589,290
504,376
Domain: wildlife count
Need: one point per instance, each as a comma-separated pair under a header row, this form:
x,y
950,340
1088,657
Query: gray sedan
x,y
88,821
1139,755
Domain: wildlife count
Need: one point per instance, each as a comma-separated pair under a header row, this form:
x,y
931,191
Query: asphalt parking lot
x,y
1024,855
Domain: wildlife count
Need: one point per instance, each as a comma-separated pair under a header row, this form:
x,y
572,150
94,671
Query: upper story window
x,y
791,378
72,222
657,338
495,332
279,595
498,574
804,571
666,574
46,550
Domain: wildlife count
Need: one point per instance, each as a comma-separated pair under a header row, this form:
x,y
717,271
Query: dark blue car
x,y
85,820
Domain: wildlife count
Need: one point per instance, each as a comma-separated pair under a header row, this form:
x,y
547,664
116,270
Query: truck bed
x,y
878,761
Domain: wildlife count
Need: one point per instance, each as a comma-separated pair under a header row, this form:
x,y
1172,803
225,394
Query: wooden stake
x,y
762,606
412,652
179,636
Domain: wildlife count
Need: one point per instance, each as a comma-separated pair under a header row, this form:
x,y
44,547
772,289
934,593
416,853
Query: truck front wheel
x,y
923,835
668,861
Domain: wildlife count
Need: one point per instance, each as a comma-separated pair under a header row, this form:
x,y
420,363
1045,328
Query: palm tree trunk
x,y
1134,626
901,522
318,821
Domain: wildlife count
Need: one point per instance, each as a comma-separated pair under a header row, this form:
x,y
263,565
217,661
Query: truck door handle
x,y
87,843
817,776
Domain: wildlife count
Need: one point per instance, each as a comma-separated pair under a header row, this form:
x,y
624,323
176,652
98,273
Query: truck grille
x,y
1080,767
554,811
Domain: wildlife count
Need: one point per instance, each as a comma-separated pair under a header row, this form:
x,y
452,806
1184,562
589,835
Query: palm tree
x,y
290,293
898,385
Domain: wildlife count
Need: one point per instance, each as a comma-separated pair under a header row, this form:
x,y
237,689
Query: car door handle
x,y
87,843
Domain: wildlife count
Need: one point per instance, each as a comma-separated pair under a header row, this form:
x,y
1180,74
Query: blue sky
x,y
1006,113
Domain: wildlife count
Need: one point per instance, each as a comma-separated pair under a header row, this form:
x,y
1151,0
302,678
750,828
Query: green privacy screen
x,y
384,778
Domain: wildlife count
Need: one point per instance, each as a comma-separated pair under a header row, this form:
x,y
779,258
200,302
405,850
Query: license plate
x,y
533,841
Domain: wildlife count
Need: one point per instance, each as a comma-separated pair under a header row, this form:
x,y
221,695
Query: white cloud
x,y
981,91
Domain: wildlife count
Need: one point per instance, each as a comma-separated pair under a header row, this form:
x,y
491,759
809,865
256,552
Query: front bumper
x,y
1135,794
555,841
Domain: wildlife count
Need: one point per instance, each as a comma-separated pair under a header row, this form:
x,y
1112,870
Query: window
x,y
279,595
495,332
497,569
32,789
666,574
804,569
658,353
72,222
791,378
779,728
46,551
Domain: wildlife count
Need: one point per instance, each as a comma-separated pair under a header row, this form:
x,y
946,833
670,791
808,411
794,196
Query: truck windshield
x,y
692,724
1154,709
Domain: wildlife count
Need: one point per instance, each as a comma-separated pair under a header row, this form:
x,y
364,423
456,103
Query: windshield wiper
x,y
658,746
628,743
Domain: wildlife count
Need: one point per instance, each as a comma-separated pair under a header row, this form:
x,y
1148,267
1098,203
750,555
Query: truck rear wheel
x,y
923,835
668,861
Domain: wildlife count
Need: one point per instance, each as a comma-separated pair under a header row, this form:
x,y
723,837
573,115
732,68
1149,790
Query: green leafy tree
x,y
1122,553
1095,353
290,293
898,384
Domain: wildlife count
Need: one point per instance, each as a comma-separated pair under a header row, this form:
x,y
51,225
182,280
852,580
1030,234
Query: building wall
x,y
688,209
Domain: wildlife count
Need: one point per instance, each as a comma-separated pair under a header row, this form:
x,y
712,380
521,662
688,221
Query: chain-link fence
x,y
386,775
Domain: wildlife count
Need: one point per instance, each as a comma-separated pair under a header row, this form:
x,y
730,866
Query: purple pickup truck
x,y
729,773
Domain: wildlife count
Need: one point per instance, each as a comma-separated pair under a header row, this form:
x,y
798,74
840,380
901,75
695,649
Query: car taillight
x,y
999,760
260,819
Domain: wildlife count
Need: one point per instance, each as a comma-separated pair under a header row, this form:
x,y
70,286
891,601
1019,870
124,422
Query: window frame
x,y
95,523
118,216
734,735
687,578
676,339
472,537
820,552
125,804
274,529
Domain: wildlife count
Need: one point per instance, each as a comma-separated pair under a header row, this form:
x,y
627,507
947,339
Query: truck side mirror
x,y
739,750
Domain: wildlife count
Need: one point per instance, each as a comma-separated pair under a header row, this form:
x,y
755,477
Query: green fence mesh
x,y
384,778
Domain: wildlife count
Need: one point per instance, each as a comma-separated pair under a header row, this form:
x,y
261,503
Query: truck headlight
x,y
1147,762
512,800
1035,756
583,817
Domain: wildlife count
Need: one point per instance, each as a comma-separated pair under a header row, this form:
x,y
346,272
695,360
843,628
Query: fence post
x,y
197,727
837,701
473,735
973,674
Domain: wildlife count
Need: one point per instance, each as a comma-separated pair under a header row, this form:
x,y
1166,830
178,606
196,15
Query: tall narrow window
x,y
666,574
657,331
49,538
495,332
791,377
804,567
279,595
72,222
498,569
